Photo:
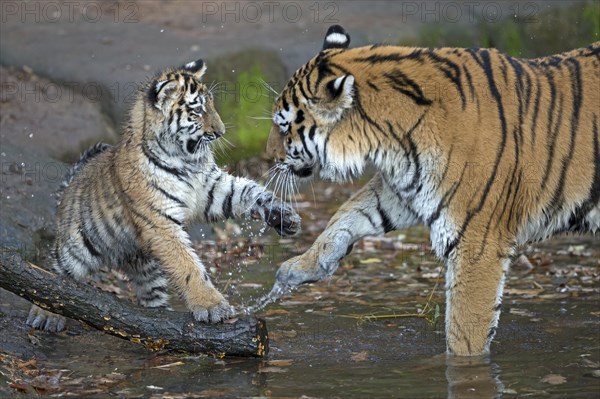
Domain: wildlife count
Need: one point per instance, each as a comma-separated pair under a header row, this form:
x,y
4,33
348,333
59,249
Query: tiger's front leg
x,y
239,197
171,246
374,210
474,285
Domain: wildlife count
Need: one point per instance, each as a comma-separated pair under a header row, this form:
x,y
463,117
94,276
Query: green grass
x,y
242,99
251,101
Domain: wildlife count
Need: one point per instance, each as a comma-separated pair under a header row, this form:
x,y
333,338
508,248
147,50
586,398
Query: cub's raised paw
x,y
214,314
277,214
43,320
282,217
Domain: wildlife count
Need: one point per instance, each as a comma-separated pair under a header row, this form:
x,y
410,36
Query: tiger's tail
x,y
90,153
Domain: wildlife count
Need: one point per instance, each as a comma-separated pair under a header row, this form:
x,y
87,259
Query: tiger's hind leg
x,y
474,286
149,281
72,260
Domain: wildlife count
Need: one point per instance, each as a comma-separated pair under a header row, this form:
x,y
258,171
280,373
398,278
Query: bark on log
x,y
156,329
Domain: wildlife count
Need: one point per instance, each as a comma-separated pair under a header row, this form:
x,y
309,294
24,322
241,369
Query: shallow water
x,y
547,345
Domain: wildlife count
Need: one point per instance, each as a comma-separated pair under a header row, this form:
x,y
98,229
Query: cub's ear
x,y
336,37
341,91
198,68
161,93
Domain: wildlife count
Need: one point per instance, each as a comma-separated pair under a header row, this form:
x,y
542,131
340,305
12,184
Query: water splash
x,y
276,292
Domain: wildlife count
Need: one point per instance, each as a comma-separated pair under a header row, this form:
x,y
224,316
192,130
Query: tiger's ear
x,y
341,91
161,93
198,68
336,37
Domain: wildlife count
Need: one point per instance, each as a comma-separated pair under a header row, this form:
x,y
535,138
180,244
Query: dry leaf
x,y
250,285
212,393
27,364
274,312
359,356
19,386
165,366
272,370
527,293
370,261
280,363
521,312
554,379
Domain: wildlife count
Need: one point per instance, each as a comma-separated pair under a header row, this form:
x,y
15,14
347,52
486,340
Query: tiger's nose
x,y
218,133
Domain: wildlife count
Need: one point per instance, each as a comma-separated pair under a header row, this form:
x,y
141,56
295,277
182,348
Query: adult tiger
x,y
487,150
127,206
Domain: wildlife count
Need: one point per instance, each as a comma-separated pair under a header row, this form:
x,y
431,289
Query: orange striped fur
x,y
489,151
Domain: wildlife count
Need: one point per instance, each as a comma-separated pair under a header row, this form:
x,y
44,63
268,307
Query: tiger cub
x,y
127,206
488,151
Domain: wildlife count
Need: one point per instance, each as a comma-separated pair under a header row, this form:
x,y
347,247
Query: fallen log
x,y
156,329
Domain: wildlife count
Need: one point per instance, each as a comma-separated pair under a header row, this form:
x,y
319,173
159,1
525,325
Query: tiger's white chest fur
x,y
418,186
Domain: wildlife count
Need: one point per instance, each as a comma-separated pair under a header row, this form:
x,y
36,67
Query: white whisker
x,y
268,86
260,118
312,187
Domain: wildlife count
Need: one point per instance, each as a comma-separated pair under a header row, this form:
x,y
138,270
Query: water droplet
x,y
233,70
8,197
30,135
162,30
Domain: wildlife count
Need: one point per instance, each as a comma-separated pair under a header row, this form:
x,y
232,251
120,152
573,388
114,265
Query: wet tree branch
x,y
156,329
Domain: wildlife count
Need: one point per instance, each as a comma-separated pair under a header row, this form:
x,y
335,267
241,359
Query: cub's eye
x,y
195,110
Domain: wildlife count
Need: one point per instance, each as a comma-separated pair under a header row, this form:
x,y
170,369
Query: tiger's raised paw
x,y
41,319
277,214
214,314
